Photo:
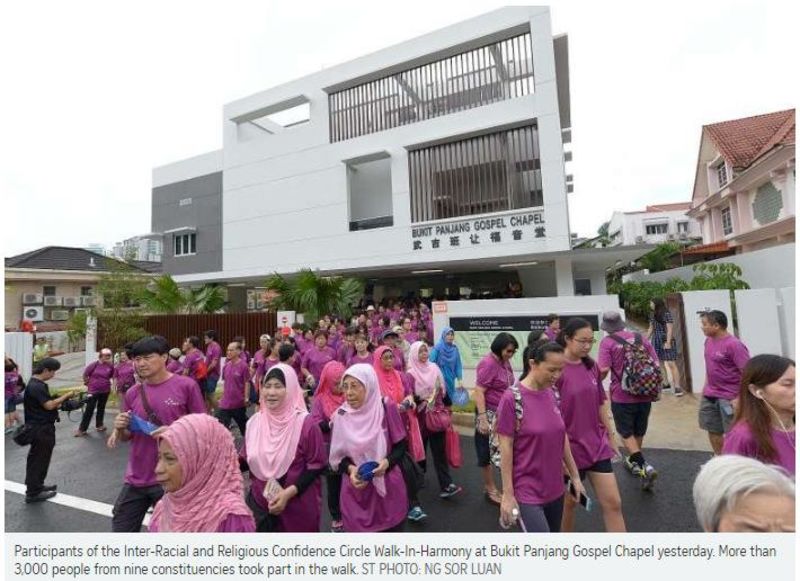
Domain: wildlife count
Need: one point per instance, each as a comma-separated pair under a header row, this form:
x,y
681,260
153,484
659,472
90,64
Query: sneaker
x,y
42,496
49,487
337,526
632,466
416,514
451,490
679,393
649,475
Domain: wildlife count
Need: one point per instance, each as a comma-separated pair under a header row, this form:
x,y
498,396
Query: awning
x,y
713,248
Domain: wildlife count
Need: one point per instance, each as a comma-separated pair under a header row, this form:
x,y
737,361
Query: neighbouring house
x,y
744,184
147,247
50,284
655,224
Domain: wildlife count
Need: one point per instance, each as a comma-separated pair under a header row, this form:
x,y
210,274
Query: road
x,y
89,477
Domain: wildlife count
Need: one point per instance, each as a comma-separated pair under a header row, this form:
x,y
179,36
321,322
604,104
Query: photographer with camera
x,y
41,415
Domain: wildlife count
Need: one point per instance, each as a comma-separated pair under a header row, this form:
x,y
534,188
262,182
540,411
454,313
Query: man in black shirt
x,y
41,413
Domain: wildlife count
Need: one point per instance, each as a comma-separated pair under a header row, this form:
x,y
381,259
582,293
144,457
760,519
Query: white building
x,y
653,225
148,247
435,166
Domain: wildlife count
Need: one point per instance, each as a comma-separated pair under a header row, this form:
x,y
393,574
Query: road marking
x,y
75,502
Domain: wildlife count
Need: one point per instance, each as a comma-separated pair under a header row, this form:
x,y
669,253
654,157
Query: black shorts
x,y
601,467
631,419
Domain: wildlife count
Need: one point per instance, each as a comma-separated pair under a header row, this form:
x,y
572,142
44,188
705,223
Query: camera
x,y
70,405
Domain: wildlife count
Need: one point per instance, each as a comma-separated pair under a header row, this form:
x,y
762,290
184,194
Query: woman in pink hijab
x,y
285,454
199,470
366,428
328,398
430,394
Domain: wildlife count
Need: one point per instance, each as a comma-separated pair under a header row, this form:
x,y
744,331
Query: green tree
x,y
718,276
602,233
164,296
658,259
209,298
120,317
315,295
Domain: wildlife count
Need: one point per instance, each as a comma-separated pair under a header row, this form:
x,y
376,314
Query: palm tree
x,y
209,298
315,295
164,296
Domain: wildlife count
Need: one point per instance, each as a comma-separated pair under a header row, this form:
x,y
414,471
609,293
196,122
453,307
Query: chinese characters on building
x,y
523,227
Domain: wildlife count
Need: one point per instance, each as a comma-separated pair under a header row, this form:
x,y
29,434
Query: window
x,y
369,189
185,244
727,224
651,229
87,291
583,287
767,204
49,291
479,175
683,227
722,175
495,72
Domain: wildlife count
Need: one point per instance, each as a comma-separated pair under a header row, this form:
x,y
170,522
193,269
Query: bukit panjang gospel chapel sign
x,y
522,227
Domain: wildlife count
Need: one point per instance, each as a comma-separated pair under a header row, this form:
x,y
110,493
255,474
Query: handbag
x,y
437,419
452,448
23,435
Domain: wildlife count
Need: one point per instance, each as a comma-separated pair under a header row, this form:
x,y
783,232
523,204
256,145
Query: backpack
x,y
494,439
201,370
641,376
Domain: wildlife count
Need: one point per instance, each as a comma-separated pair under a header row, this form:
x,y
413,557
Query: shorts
x,y
11,404
482,448
666,354
211,384
715,415
601,467
630,419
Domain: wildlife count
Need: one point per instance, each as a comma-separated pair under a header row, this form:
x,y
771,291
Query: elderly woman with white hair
x,y
740,494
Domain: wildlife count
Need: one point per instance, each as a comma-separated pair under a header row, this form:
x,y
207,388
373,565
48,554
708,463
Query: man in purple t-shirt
x,y
725,358
214,364
553,327
160,398
235,389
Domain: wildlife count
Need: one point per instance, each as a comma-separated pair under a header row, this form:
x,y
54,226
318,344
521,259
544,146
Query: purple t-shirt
x,y
233,523
580,394
494,376
213,356
538,444
550,333
170,400
356,358
611,356
174,366
740,441
234,376
365,510
344,353
97,377
725,360
125,374
302,513
191,360
314,360
11,383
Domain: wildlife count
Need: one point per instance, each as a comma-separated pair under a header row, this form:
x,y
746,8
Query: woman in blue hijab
x,y
445,354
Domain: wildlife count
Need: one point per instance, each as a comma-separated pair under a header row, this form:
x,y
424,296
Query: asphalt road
x,y
86,469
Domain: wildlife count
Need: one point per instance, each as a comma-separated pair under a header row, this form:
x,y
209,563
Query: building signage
x,y
522,227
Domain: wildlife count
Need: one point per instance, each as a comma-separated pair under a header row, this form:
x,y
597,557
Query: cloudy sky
x,y
97,93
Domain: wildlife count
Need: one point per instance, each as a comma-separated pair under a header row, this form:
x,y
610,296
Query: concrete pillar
x,y
565,285
598,279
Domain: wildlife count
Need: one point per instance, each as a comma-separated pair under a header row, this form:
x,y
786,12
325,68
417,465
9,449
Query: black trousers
x,y
239,415
436,442
334,484
38,462
131,507
97,400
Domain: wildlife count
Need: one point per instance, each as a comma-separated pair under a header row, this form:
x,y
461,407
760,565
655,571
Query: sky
x,y
98,93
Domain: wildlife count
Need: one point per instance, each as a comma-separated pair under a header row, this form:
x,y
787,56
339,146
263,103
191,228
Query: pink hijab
x,y
390,382
425,374
212,485
272,436
331,375
358,433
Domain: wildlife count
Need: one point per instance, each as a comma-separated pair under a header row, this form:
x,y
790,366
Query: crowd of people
x,y
366,405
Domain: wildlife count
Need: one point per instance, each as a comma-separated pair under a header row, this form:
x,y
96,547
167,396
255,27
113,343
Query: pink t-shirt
x,y
495,377
315,359
611,356
725,360
191,360
580,394
174,366
170,400
234,376
213,356
538,444
740,441
356,358
97,377
125,375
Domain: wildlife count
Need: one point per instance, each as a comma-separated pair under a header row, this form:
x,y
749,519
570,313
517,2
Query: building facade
x,y
436,165
655,224
744,191
147,247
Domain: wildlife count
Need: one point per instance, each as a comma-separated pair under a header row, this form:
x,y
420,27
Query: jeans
x,y
39,455
239,415
99,400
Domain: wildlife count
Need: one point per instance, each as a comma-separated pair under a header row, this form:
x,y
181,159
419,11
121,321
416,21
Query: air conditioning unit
x,y
59,315
31,299
640,240
84,311
72,301
33,313
88,301
52,301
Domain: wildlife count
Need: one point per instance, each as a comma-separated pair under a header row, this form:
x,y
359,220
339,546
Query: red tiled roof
x,y
713,248
742,141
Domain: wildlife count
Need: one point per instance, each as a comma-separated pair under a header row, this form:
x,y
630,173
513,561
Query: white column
x,y
91,339
565,285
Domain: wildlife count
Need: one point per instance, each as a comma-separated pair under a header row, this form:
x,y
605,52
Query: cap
x,y
389,333
174,352
612,322
370,308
